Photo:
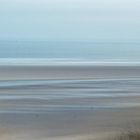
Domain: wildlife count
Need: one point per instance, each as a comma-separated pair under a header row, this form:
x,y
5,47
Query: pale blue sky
x,y
99,20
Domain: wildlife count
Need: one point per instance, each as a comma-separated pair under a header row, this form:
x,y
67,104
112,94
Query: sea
x,y
68,90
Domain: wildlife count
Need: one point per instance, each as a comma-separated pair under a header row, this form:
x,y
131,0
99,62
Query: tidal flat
x,y
68,102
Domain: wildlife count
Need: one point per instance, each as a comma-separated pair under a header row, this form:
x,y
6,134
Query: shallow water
x,y
69,94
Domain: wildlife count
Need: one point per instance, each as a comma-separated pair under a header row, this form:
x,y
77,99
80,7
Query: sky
x,y
70,20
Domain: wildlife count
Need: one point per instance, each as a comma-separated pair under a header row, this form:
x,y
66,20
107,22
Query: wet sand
x,y
68,103
15,72
75,125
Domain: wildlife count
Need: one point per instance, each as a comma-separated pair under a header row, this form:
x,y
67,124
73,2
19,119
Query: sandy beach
x,y
68,102
69,69
17,72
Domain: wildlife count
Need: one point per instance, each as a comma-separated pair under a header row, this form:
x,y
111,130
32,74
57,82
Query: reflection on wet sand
x,y
76,108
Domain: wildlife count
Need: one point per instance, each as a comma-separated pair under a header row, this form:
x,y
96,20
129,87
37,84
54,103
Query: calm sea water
x,y
89,51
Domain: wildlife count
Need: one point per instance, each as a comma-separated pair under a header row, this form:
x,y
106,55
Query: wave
x,y
66,61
